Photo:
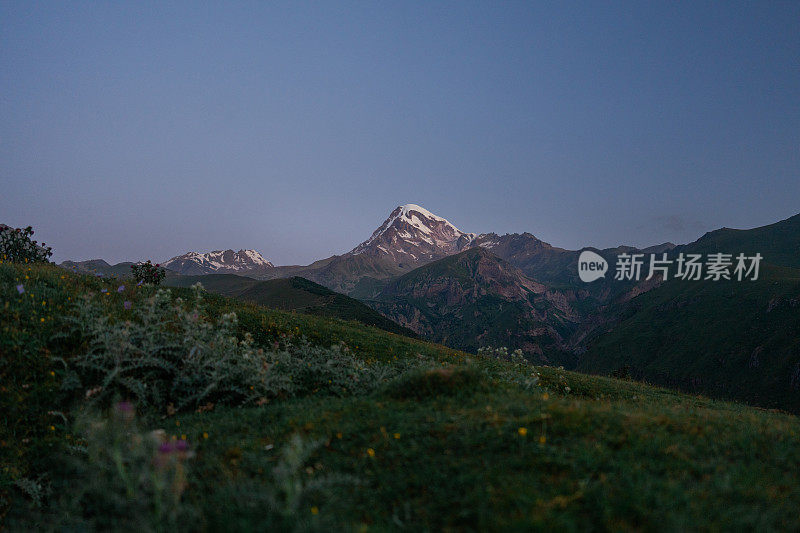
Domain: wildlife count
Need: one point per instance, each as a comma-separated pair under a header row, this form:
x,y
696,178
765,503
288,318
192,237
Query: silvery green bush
x,y
167,354
520,371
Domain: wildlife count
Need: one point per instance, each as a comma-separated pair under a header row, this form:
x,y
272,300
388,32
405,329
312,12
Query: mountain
x,y
473,299
95,267
410,237
731,339
414,235
778,243
292,294
534,257
219,261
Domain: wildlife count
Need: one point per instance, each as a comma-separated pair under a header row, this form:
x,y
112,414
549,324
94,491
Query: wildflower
x,y
315,510
205,434
545,396
52,374
370,452
542,439
397,435
20,288
52,428
140,283
41,319
126,304
121,288
339,435
182,445
103,290
165,448
522,431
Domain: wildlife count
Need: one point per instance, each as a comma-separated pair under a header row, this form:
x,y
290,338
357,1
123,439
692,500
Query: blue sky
x,y
138,130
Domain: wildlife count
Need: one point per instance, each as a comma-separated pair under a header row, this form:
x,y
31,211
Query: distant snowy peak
x,y
218,261
414,234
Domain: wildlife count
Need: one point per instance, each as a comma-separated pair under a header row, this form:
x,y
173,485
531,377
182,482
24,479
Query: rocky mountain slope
x,y
475,299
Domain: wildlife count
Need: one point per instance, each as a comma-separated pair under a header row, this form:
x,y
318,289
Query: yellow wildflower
x,y
370,452
314,510
522,431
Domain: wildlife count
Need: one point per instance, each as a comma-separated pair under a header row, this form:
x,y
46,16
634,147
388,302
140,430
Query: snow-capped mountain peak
x,y
218,261
414,234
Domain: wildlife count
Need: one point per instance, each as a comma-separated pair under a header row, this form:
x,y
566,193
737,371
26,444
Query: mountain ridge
x,y
217,261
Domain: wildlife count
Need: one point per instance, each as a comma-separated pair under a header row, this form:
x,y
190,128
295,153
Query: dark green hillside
x,y
224,284
440,440
778,243
98,266
292,294
730,339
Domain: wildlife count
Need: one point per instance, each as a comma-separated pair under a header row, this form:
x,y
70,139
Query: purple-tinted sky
x,y
137,130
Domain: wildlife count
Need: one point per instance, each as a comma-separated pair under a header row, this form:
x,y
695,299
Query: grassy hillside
x,y
778,243
434,440
292,294
99,267
729,339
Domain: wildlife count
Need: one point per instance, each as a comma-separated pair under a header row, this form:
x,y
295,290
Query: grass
x,y
456,448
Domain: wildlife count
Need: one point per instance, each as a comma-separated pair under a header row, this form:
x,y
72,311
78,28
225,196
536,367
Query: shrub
x,y
169,353
147,272
517,356
17,246
520,372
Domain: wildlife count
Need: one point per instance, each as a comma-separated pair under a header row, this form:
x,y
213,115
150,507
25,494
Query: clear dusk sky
x,y
134,130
